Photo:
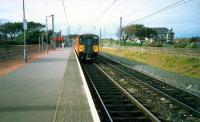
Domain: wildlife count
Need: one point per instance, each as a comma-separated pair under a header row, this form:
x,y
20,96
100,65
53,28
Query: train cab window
x,y
82,40
95,40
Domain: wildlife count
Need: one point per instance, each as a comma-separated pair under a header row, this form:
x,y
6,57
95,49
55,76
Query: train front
x,y
88,46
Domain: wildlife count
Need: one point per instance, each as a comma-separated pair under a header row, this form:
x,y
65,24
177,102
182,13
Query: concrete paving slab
x,y
30,93
73,104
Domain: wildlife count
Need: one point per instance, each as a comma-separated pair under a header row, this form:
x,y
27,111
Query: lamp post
x,y
53,28
46,36
120,31
100,38
52,22
25,28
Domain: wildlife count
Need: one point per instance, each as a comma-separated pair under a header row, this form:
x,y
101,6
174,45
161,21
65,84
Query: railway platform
x,y
49,89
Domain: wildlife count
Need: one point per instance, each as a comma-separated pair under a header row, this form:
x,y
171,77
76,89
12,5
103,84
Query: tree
x,y
195,39
128,31
14,31
124,35
33,26
150,33
144,32
34,30
138,31
11,29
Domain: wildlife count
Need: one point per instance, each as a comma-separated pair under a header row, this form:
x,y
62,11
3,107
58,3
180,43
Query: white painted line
x,y
87,91
58,101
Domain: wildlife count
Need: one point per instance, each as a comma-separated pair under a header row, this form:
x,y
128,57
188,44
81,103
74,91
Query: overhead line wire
x,y
63,3
178,3
103,12
95,10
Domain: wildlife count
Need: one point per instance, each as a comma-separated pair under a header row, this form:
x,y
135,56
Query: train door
x,y
88,47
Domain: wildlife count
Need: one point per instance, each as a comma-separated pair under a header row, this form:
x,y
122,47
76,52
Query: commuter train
x,y
87,46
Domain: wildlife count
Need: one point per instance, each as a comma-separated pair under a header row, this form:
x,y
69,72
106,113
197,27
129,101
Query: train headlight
x,y
95,48
81,48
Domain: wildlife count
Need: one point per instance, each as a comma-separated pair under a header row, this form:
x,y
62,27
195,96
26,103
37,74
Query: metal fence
x,y
16,51
174,51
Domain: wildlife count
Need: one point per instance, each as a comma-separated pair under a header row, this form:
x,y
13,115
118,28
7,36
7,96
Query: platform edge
x,y
93,110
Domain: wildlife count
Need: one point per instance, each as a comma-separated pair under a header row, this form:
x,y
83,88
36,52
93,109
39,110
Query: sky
x,y
88,16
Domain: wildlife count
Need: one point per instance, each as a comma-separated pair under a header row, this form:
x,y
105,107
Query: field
x,y
189,66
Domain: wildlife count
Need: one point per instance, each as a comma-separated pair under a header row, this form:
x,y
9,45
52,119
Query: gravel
x,y
181,81
162,107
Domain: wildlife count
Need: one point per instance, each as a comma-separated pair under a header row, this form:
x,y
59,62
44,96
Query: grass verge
x,y
189,66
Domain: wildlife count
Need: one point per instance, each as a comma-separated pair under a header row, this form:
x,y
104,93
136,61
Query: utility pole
x,y
60,38
54,45
120,32
104,31
68,30
42,43
53,29
100,38
46,36
52,23
39,44
25,28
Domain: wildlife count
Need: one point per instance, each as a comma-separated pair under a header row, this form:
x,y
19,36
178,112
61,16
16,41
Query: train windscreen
x,y
92,38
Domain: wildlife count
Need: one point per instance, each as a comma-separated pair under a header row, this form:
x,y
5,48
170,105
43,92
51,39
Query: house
x,y
164,35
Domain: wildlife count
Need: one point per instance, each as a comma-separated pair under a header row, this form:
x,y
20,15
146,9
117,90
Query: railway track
x,y
113,102
185,99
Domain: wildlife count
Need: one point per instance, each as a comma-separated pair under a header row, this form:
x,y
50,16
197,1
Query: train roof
x,y
88,34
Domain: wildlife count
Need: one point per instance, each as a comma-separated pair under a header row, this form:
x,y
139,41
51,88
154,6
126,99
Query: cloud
x,y
84,12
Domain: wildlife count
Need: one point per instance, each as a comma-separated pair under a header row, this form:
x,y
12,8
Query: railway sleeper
x,y
135,119
101,81
108,87
113,98
104,86
112,89
110,96
122,108
109,93
126,114
119,105
117,102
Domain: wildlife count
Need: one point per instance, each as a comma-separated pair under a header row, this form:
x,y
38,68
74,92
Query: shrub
x,y
5,44
156,44
195,39
195,45
180,44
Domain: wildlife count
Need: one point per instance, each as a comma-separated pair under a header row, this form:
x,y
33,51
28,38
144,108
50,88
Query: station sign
x,y
25,24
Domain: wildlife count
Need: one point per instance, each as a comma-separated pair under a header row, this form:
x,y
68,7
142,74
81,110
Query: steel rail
x,y
131,98
101,101
129,67
124,92
196,112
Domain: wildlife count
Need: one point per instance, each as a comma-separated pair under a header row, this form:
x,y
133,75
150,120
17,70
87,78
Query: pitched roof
x,y
161,30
